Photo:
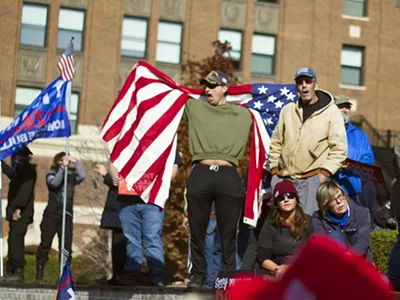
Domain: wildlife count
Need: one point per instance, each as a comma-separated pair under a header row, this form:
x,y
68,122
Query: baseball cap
x,y
215,78
342,99
304,71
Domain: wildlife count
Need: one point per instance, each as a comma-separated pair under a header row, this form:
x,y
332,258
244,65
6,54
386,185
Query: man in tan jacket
x,y
309,143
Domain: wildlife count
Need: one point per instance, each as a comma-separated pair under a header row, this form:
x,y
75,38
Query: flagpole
x,y
62,250
63,254
1,209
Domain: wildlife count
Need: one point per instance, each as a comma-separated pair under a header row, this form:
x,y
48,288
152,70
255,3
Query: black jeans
x,y
16,244
49,227
118,251
222,185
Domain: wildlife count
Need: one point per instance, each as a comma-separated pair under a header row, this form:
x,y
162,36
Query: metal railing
x,y
379,138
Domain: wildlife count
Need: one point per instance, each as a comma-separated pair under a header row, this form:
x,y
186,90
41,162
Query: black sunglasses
x,y
281,197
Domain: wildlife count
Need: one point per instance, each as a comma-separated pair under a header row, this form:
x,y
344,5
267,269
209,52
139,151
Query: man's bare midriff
x,y
216,162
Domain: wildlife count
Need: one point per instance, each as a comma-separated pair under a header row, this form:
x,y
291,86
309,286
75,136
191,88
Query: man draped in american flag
x,y
141,133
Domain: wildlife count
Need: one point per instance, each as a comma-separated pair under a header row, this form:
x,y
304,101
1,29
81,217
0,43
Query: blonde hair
x,y
325,194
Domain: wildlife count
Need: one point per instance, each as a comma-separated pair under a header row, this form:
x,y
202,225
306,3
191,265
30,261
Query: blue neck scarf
x,y
341,222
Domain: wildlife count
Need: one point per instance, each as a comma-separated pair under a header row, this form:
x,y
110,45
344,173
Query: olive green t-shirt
x,y
217,132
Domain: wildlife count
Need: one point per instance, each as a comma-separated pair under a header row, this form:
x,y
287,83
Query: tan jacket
x,y
300,150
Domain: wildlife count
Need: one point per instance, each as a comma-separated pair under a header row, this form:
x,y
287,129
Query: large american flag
x,y
140,131
66,64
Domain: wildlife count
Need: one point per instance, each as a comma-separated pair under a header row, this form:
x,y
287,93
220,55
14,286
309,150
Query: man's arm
x,y
367,154
177,164
6,169
80,176
337,143
276,144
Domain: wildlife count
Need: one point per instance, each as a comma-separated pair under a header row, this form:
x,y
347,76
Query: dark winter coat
x,y
21,190
110,217
356,232
55,185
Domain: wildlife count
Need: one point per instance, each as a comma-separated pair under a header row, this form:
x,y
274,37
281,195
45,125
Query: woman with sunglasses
x,y
286,227
342,219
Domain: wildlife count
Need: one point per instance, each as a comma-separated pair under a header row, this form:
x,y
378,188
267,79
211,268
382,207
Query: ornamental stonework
x,y
173,10
32,66
140,8
233,14
266,18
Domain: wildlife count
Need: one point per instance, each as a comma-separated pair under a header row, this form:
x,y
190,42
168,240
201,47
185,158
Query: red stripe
x,y
240,89
143,107
108,136
154,131
145,181
65,283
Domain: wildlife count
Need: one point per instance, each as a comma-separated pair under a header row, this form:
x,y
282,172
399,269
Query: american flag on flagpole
x,y
66,64
140,131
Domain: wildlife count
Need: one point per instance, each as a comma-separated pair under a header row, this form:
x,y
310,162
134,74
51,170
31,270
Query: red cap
x,y
283,187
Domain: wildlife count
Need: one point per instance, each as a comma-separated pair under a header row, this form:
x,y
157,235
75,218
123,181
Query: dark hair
x,y
300,223
57,158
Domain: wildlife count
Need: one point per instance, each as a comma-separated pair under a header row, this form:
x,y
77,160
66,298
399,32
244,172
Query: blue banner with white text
x,y
45,117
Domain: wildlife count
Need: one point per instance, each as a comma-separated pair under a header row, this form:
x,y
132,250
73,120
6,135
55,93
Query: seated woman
x,y
285,228
342,219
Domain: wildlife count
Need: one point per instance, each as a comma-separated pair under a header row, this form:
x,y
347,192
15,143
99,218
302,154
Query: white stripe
x,y
163,192
265,138
239,99
154,151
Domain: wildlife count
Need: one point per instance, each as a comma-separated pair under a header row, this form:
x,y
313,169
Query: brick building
x,y
352,44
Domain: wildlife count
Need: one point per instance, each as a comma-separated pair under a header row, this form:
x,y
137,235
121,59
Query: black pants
x,y
49,227
16,244
222,185
118,251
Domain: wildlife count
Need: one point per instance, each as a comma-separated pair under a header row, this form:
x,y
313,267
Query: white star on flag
x,y
279,104
291,96
258,104
58,86
263,90
284,91
269,121
271,98
46,99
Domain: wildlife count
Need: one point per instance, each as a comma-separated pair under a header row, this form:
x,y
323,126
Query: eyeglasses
x,y
339,198
307,81
281,197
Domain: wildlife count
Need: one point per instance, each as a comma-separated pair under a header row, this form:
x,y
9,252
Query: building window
x,y
169,38
235,40
269,1
355,8
71,23
352,65
24,96
134,37
263,54
33,25
73,112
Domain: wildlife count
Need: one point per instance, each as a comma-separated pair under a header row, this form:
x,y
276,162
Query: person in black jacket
x,y
110,220
52,215
285,229
19,211
342,219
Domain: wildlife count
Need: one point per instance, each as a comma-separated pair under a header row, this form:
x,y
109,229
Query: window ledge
x,y
355,18
353,87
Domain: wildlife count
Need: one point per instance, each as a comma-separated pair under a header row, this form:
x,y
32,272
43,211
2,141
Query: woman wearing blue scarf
x,y
342,219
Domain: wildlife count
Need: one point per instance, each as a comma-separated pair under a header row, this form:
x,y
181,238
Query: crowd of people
x,y
312,191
